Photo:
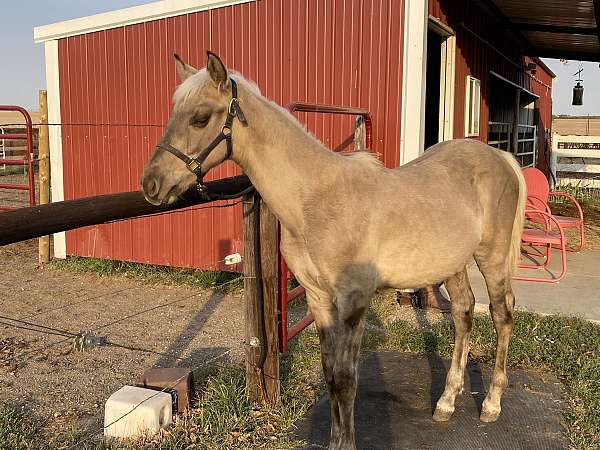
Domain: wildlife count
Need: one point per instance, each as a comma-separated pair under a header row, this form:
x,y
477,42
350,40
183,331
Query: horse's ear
x,y
184,70
216,69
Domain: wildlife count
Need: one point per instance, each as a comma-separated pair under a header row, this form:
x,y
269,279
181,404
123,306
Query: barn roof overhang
x,y
563,29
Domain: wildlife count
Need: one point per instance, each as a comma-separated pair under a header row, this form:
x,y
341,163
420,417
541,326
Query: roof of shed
x,y
564,29
126,16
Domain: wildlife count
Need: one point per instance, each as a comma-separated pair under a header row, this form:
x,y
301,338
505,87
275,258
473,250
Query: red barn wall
x,y
541,85
346,52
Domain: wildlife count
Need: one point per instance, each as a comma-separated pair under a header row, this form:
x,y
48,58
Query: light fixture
x,y
578,89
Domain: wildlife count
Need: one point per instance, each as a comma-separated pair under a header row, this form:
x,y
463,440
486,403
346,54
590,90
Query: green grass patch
x,y
17,432
205,279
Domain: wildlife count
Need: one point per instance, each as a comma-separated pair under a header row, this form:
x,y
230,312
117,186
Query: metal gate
x,y
285,296
27,161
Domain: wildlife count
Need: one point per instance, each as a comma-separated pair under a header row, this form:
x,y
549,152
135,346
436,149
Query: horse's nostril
x,y
151,187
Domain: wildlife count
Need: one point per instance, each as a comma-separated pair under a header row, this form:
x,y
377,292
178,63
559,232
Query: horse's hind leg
x,y
463,302
502,303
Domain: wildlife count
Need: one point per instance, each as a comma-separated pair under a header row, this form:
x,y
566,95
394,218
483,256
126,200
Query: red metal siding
x,y
541,85
334,51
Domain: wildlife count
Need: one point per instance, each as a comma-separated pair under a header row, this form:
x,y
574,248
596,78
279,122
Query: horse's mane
x,y
365,157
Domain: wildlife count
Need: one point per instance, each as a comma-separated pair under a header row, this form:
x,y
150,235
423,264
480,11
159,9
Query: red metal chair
x,y
538,194
550,236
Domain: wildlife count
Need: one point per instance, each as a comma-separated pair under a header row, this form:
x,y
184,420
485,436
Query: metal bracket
x,y
85,340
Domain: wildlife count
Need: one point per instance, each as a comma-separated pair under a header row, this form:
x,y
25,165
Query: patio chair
x,y
538,194
550,236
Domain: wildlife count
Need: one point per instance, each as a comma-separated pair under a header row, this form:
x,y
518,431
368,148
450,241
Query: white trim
x,y
57,188
447,78
127,16
472,108
412,141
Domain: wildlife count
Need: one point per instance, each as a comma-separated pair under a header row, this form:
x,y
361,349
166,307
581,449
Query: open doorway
x,y
512,125
439,83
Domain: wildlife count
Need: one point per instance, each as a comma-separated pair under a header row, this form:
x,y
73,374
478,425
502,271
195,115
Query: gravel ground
x,y
68,387
11,197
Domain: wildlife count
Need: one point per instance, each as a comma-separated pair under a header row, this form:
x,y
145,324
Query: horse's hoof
x,y
489,415
442,415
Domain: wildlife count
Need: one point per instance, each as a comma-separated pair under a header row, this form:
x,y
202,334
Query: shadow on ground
x,y
394,408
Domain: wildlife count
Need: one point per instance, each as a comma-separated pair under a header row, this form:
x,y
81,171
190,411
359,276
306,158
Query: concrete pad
x,y
397,393
578,294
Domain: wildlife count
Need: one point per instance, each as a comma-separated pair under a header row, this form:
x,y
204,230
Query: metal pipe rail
x,y
26,161
283,295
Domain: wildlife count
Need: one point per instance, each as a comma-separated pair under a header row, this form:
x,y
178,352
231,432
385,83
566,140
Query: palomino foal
x,y
351,226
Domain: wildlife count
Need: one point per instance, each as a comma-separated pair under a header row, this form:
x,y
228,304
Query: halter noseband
x,y
194,164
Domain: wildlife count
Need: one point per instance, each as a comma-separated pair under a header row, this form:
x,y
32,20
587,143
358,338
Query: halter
x,y
194,164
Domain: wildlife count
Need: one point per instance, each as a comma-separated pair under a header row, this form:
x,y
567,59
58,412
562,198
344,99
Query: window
x,y
472,107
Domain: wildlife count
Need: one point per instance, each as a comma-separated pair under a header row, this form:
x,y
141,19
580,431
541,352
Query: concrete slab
x,y
396,394
578,294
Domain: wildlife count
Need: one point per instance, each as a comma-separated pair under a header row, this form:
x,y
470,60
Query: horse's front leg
x,y
340,329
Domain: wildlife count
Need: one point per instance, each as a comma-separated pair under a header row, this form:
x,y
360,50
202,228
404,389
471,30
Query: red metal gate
x,y
283,295
27,160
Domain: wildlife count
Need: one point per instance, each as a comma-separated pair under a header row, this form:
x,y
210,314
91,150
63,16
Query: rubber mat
x,y
397,394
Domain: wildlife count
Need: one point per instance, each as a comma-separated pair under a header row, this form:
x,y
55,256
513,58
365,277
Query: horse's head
x,y
201,106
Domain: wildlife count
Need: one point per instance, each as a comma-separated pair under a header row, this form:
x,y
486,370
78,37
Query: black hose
x,y
259,285
547,154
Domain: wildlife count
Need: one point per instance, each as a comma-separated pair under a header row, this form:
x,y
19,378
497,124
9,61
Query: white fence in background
x,y
576,161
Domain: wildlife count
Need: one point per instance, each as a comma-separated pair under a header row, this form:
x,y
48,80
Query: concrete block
x,y
133,412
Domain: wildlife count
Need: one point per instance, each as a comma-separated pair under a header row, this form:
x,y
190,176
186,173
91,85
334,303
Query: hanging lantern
x,y
578,94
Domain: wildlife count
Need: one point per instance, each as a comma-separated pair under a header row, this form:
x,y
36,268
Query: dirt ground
x,y
13,197
45,373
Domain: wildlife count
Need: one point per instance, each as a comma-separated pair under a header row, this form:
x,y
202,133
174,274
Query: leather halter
x,y
194,165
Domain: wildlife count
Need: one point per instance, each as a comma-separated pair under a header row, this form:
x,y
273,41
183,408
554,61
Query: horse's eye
x,y
200,121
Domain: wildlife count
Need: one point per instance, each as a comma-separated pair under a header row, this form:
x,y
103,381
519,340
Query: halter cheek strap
x,y
194,165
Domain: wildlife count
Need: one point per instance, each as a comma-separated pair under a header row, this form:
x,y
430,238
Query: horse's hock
x,y
397,394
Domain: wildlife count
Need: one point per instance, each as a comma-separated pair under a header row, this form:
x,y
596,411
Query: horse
x,y
350,226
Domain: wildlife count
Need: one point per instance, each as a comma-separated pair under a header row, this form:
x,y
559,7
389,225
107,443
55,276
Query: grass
x,y
17,432
225,419
205,279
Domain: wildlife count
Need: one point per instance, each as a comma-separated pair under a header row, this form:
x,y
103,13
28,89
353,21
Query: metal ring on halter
x,y
230,109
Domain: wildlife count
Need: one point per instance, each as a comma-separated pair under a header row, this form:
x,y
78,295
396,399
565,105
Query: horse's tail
x,y
514,254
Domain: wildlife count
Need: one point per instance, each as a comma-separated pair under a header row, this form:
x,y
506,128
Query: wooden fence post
x,y
44,172
263,385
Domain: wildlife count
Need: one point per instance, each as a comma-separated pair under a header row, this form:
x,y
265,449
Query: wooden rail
x,y
37,221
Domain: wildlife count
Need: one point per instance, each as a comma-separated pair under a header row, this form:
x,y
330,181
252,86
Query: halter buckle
x,y
231,110
193,165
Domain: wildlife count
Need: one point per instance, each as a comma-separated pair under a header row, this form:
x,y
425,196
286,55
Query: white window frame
x,y
447,78
472,107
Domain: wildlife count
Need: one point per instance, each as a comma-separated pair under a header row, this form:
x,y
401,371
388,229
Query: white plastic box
x,y
134,412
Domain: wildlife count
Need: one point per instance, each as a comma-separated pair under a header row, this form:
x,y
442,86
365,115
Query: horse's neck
x,y
282,160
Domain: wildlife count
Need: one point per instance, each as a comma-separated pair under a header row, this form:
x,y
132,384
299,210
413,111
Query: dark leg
x,y
340,331
346,378
463,302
